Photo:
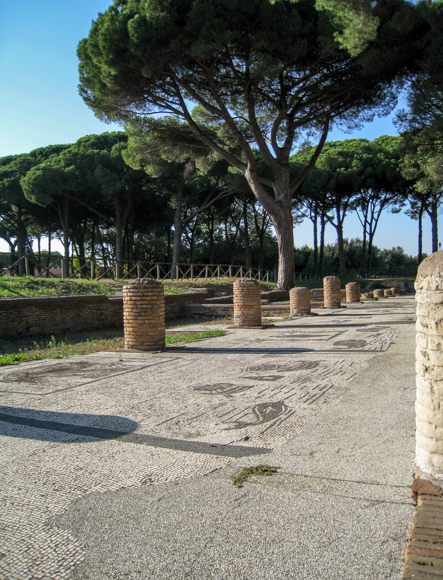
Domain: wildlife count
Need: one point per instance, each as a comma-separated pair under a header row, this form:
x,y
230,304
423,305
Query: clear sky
x,y
40,105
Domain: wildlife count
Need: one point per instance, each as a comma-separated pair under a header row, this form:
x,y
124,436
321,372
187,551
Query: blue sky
x,y
40,105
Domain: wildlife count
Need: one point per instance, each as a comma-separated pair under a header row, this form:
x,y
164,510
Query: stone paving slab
x,y
90,445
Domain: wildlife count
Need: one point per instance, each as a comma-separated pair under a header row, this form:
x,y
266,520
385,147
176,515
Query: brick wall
x,y
51,315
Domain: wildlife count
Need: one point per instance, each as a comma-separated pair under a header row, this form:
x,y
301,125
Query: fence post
x,y
206,272
230,271
116,270
192,272
267,275
92,265
138,271
27,265
158,271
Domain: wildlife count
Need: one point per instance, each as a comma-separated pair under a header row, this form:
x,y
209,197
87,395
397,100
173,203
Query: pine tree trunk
x,y
420,236
434,212
322,245
177,233
21,239
341,249
284,231
118,236
248,260
314,222
65,225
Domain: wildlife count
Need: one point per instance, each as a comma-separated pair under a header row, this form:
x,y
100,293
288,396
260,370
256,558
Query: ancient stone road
x,y
112,421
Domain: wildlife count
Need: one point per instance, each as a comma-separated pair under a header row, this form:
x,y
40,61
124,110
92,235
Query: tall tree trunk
x,y
118,236
322,245
21,242
64,220
284,230
365,258
211,225
315,232
420,235
93,241
178,230
341,249
248,259
434,212
168,247
48,259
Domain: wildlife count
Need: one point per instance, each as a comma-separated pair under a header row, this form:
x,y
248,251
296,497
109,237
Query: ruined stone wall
x,y
21,317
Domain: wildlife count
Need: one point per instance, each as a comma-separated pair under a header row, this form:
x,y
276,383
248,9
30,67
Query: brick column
x,y
144,315
379,293
331,292
429,365
367,296
300,301
247,303
352,292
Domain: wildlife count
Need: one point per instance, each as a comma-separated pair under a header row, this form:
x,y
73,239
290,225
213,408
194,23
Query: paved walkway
x,y
120,465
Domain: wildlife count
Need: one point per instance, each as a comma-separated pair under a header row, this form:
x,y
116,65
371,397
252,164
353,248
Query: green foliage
x,y
393,262
30,286
269,73
186,337
423,119
76,344
11,359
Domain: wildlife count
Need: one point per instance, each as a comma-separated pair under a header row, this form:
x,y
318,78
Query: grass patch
x,y
193,336
247,472
17,351
17,287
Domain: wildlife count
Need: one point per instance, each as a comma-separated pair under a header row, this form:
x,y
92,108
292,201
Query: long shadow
x,y
349,325
74,427
236,349
54,426
11,290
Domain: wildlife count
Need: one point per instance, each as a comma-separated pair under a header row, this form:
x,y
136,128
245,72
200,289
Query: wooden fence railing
x,y
92,269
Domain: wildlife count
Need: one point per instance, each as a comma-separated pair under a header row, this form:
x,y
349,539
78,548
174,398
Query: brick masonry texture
x,y
424,552
144,316
300,301
54,314
379,293
352,292
331,291
247,303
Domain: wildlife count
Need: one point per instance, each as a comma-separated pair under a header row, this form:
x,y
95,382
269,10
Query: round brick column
x,y
247,303
300,301
367,296
144,315
352,292
387,293
429,366
331,292
379,293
